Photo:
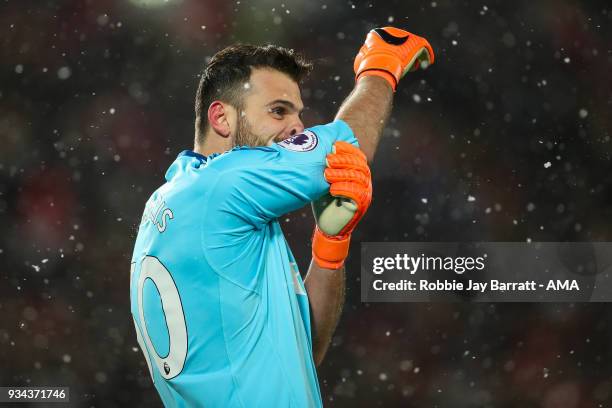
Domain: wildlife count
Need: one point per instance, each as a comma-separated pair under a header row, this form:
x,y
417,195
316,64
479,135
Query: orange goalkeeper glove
x,y
390,53
338,212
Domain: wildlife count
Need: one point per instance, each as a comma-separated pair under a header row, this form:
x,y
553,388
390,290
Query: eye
x,y
279,110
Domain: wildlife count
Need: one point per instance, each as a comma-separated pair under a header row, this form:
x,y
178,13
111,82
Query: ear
x,y
219,118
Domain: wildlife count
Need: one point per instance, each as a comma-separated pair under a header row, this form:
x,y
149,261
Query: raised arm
x,y
366,111
385,57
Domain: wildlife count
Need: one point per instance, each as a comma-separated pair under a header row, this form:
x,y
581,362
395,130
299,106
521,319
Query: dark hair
x,y
229,69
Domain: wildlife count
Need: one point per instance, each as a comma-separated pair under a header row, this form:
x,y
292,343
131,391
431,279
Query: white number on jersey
x,y
171,365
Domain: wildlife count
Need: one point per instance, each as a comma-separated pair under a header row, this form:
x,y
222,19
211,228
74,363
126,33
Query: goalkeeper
x,y
220,309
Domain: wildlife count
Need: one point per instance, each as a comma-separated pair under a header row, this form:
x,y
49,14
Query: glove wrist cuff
x,y
329,252
381,61
379,73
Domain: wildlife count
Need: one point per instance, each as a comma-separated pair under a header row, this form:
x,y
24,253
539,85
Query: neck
x,y
213,144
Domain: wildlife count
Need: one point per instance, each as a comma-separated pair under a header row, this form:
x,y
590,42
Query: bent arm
x,y
326,293
366,111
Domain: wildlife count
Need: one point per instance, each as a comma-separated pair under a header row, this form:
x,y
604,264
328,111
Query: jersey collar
x,y
191,153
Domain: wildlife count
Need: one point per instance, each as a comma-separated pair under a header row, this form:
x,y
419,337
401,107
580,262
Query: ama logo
x,y
304,142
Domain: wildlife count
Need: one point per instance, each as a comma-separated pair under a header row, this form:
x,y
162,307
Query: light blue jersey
x,y
219,305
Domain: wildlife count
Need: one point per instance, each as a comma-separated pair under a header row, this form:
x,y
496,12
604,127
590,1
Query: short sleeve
x,y
262,184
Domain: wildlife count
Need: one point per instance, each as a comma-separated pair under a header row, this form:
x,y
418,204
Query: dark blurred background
x,y
505,138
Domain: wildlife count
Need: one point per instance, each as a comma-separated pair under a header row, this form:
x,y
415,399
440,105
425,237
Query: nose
x,y
296,127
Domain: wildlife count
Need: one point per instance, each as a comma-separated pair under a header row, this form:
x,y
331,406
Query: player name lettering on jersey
x,y
157,212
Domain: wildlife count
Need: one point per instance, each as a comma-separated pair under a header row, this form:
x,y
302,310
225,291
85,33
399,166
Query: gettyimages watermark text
x,y
487,272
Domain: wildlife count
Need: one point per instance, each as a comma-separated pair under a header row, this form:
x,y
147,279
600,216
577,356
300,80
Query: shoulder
x,y
242,157
301,143
336,130
304,148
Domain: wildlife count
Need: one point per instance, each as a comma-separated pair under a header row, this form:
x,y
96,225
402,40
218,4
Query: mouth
x,y
279,139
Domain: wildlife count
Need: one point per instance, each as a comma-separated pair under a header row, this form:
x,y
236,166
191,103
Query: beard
x,y
245,135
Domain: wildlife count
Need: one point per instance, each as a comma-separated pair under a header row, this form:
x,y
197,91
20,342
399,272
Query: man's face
x,y
272,109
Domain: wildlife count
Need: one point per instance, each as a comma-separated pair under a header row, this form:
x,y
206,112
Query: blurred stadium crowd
x,y
505,138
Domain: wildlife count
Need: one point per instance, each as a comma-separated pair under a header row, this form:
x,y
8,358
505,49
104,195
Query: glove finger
x,y
346,175
420,58
344,147
346,161
424,58
430,53
362,196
